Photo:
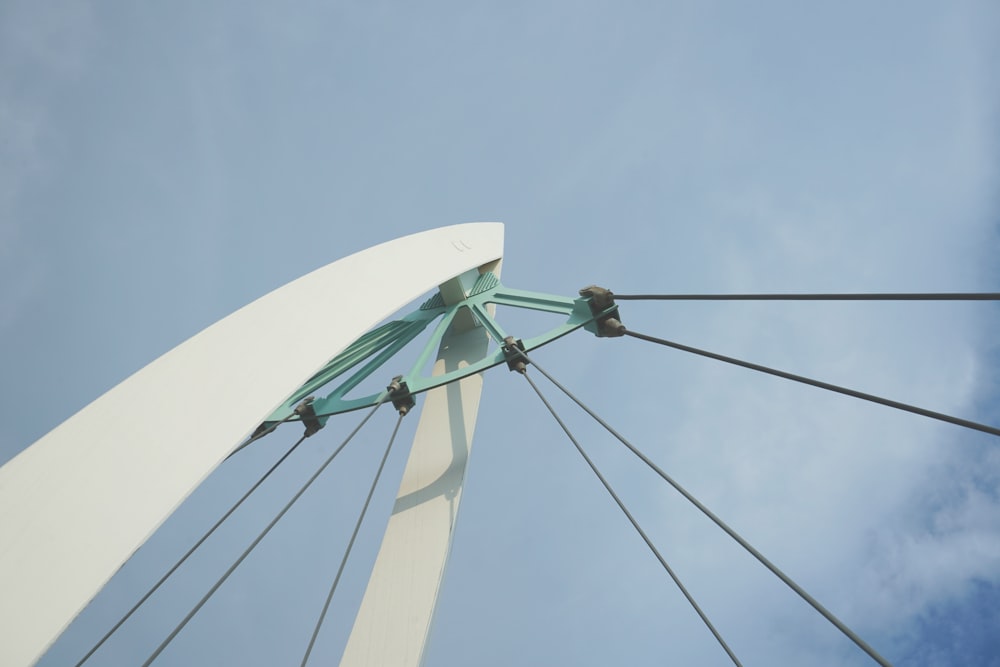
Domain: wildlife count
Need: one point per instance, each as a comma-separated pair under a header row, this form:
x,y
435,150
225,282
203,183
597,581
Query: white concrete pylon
x,y
394,621
76,504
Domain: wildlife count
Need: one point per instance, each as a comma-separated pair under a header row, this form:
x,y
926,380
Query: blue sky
x,y
164,165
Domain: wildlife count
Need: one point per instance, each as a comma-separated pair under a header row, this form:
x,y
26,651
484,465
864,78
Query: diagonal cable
x,y
190,551
635,524
976,426
828,615
253,545
350,544
886,296
254,438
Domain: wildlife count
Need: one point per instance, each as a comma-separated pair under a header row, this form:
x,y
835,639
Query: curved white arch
x,y
77,503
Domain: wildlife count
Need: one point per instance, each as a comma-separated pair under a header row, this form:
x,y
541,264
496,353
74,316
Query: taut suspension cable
x,y
257,540
190,551
828,615
350,544
260,434
887,296
635,524
976,426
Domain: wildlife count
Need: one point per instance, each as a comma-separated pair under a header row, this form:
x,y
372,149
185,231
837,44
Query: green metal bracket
x,y
370,352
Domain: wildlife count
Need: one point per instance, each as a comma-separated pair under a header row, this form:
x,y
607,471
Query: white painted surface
x,y
77,503
394,620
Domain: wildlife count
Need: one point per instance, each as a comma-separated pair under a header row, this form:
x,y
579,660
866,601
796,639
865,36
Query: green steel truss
x,y
369,353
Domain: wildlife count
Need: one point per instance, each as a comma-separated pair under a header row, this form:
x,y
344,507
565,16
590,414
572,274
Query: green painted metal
x,y
370,353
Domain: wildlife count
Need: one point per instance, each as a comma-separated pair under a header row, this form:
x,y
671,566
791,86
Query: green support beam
x,y
370,353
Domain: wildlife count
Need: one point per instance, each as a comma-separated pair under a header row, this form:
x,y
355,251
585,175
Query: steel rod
x,y
257,540
350,543
190,551
635,524
887,296
940,416
774,569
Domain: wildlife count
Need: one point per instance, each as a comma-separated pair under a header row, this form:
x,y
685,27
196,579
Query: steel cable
x,y
828,615
888,296
635,524
254,438
350,544
190,551
253,545
976,426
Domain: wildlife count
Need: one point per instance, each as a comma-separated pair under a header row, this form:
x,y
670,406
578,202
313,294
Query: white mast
x,y
394,620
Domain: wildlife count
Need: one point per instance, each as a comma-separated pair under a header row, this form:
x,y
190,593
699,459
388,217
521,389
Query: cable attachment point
x,y
602,304
308,416
400,395
512,350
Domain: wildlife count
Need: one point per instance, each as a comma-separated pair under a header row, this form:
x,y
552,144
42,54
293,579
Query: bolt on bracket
x,y
308,416
512,354
399,394
602,304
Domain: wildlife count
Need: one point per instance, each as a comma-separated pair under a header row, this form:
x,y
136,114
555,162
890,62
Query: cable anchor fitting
x,y
399,394
512,354
308,416
602,305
